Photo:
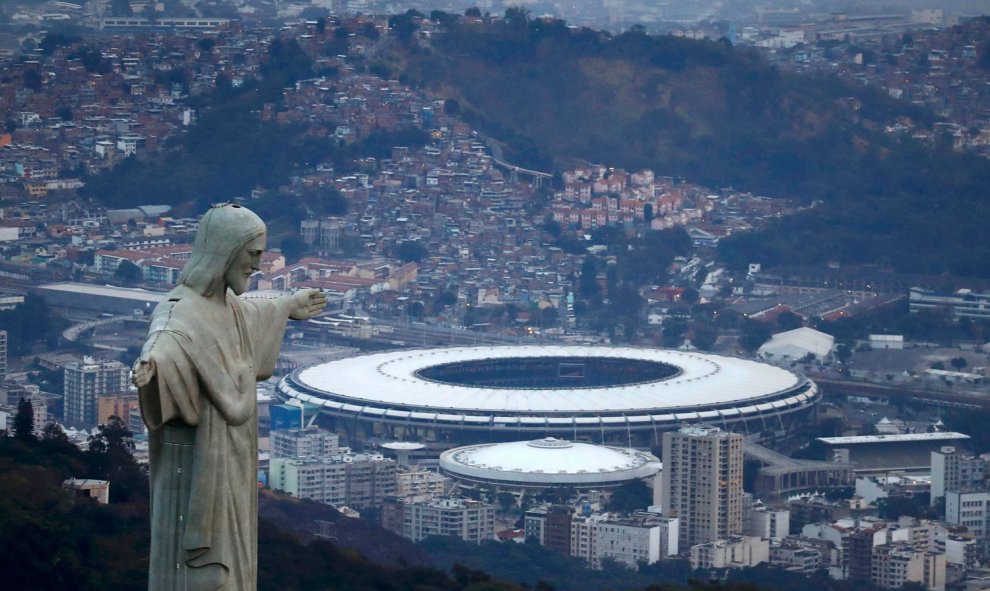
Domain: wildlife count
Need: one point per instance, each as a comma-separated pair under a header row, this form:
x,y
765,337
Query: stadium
x,y
611,395
541,464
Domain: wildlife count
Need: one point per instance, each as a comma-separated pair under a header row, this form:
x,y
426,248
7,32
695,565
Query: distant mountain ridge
x,y
720,116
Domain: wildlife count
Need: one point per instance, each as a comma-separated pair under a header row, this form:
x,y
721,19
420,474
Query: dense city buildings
x,y
702,483
443,243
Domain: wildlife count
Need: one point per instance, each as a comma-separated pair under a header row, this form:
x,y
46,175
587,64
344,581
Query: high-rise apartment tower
x,y
702,483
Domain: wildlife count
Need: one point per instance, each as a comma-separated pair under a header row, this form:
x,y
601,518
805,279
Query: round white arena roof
x,y
547,462
549,388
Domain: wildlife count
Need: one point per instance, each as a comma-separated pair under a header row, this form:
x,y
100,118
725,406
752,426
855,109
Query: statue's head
x,y
227,250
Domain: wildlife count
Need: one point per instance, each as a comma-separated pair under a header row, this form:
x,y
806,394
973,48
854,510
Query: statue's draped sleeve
x,y
266,320
185,372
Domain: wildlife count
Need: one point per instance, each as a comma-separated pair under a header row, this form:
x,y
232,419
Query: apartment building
x,y
472,521
302,443
952,470
893,565
701,483
87,380
354,480
732,552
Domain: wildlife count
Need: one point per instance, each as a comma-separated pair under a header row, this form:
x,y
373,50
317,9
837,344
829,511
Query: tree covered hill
x,y
52,540
720,116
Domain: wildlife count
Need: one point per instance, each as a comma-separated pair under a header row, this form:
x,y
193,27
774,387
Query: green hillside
x,y
719,116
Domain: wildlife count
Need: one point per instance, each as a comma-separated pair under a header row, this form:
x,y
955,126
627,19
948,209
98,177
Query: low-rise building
x,y
355,480
732,552
796,557
302,443
421,483
469,520
98,490
643,538
893,565
767,522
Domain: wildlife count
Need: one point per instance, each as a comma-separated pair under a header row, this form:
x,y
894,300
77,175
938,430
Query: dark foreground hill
x,y
53,541
719,116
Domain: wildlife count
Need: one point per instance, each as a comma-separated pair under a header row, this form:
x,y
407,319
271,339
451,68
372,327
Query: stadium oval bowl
x,y
574,392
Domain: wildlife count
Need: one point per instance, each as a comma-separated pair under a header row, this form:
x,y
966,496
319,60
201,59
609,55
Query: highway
x,y
958,398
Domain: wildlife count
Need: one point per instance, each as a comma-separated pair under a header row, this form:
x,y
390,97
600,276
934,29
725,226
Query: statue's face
x,y
245,263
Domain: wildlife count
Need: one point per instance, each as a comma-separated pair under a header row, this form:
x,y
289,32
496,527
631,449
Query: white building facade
x,y
472,521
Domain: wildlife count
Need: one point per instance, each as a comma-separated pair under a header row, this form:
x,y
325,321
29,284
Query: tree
x,y
32,79
690,295
54,432
24,421
412,251
588,281
292,247
403,26
896,506
112,436
110,458
673,331
958,363
843,352
128,273
753,334
703,336
506,500
54,39
631,496
788,320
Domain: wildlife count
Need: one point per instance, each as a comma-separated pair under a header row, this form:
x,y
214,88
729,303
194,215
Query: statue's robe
x,y
202,415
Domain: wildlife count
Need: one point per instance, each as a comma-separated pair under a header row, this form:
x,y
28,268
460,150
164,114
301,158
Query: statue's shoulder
x,y
180,312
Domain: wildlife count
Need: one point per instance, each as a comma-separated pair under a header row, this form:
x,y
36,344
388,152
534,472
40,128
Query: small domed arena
x,y
621,396
543,464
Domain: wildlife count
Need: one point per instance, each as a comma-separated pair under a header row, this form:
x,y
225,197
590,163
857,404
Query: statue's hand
x,y
143,372
306,303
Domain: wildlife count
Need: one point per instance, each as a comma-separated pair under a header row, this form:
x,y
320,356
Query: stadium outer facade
x,y
610,395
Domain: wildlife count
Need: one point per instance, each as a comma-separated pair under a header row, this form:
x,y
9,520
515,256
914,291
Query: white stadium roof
x,y
391,378
548,462
390,387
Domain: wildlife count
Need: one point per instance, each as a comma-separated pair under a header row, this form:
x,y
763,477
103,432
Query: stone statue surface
x,y
196,379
